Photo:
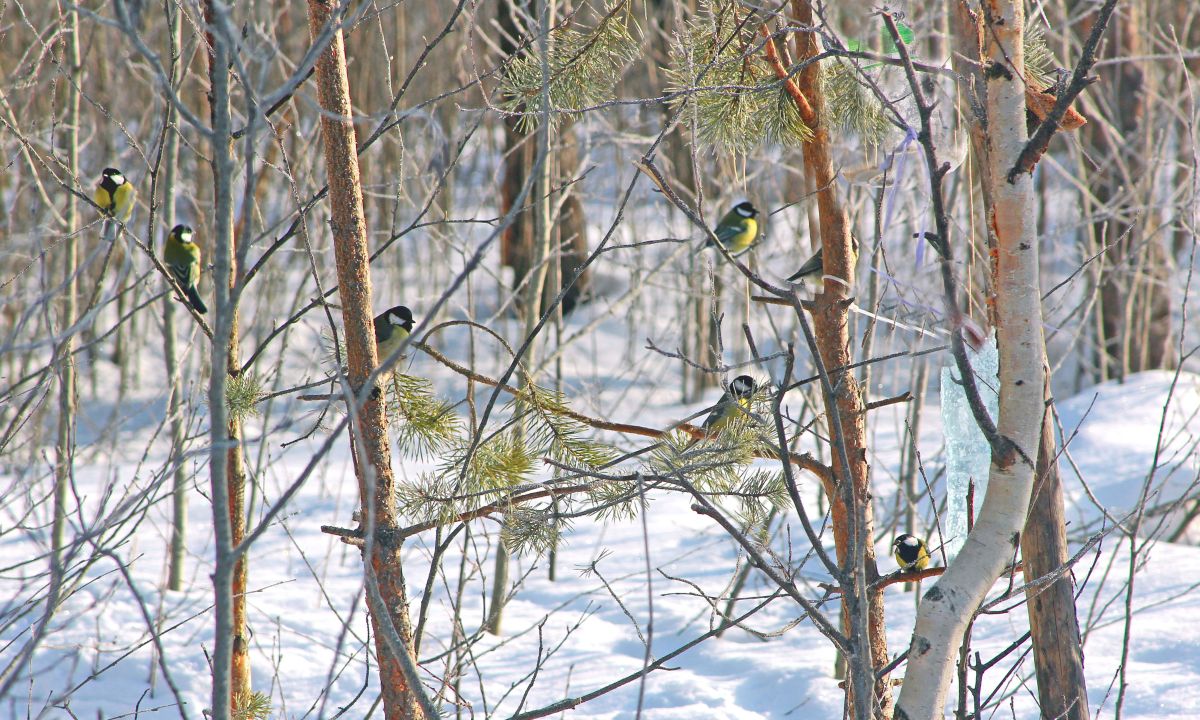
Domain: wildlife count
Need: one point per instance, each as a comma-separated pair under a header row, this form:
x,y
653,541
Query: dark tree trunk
x,y
569,236
1134,292
1054,628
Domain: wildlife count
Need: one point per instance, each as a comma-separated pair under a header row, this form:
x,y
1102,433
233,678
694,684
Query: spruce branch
x,y
804,107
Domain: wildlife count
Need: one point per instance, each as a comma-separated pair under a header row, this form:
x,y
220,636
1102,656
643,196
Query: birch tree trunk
x,y
65,444
951,603
1053,620
369,437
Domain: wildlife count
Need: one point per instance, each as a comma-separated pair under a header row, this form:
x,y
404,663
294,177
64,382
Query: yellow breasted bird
x,y
182,258
391,329
911,553
737,230
115,195
734,402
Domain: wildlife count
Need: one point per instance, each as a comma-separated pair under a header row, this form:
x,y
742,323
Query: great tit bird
x,y
734,402
911,553
814,267
115,195
182,258
737,230
391,329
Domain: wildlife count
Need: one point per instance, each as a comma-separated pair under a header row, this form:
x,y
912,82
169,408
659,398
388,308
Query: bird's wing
x,y
719,411
725,233
813,264
181,271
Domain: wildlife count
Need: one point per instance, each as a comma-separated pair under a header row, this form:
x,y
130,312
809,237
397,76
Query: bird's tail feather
x,y
195,301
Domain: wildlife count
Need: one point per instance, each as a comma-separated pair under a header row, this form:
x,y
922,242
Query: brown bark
x,y
831,326
369,438
1054,627
569,237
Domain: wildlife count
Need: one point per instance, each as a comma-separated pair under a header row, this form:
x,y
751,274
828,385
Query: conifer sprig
x,y
853,107
242,393
554,433
717,65
584,65
425,425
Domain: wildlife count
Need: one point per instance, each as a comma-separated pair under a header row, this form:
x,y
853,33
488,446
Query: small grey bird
x,y
815,265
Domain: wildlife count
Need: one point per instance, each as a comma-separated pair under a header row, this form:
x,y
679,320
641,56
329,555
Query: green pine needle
x,y
853,107
584,65
498,464
252,706
1039,59
242,393
718,66
425,426
529,530
552,432
614,501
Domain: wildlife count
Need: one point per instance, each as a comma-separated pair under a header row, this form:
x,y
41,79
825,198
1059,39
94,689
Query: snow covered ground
x,y
310,644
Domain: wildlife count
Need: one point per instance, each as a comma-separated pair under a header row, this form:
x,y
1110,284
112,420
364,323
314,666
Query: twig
x,y
1037,144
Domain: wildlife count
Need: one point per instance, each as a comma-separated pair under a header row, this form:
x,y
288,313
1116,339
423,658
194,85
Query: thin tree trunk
x,y
520,243
226,464
369,436
224,328
908,472
853,515
950,604
179,496
1053,625
65,445
1134,295
544,167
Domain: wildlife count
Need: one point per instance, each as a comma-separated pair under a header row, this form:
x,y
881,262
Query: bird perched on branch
x,y
911,553
814,267
733,402
182,258
115,195
737,230
391,329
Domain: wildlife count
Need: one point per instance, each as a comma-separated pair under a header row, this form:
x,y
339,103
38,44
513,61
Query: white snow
x,y
309,629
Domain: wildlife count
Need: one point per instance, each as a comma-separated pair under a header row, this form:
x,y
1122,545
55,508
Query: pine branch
x,y
807,114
